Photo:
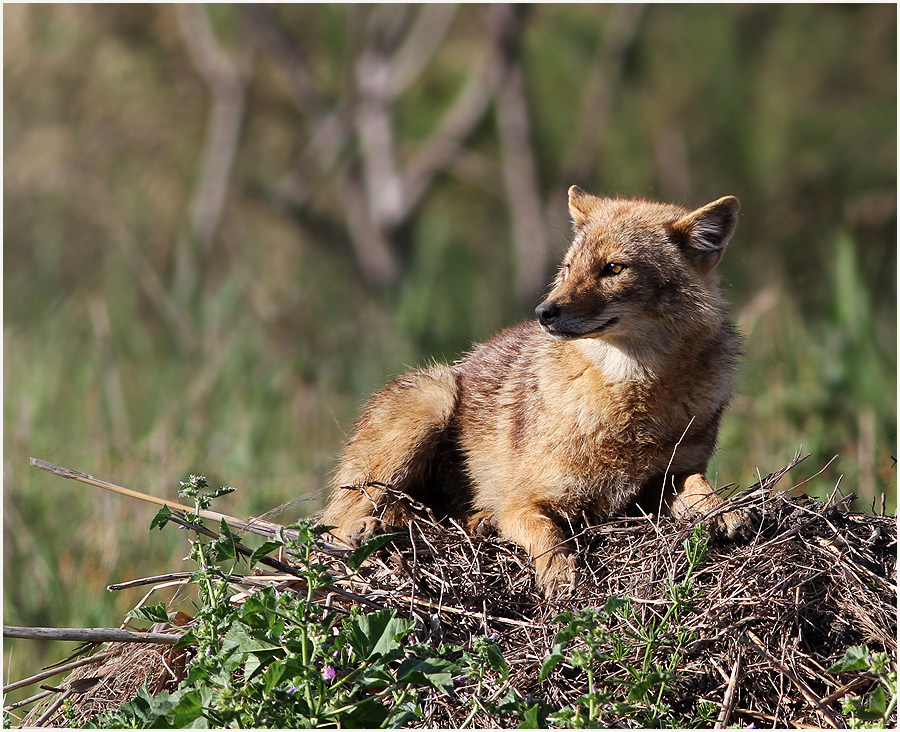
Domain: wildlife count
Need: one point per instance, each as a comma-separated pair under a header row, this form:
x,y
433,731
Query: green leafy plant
x,y
644,655
494,694
875,709
281,659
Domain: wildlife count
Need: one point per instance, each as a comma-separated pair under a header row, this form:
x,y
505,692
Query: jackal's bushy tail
x,y
394,443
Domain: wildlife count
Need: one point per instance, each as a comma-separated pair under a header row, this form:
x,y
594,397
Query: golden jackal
x,y
616,397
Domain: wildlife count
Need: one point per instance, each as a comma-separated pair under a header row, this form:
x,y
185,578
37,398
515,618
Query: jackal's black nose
x,y
547,312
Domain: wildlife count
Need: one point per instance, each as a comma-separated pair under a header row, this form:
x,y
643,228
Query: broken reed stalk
x,y
728,698
255,525
56,670
30,700
89,635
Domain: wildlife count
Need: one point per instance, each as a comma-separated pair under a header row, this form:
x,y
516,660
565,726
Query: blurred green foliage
x,y
133,353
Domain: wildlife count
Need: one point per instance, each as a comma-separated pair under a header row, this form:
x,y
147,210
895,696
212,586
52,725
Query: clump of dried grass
x,y
114,679
815,580
769,615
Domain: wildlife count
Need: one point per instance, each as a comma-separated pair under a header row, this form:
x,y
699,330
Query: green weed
x,y
282,660
640,659
875,709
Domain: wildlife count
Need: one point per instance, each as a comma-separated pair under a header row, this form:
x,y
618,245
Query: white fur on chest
x,y
614,364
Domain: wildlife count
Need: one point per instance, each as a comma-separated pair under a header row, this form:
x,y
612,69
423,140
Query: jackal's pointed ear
x,y
581,205
703,234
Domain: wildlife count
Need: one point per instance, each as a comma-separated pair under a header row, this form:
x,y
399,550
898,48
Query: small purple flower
x,y
493,636
292,690
328,673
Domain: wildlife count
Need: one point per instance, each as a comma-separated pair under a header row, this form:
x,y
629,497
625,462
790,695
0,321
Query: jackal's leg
x,y
694,496
530,527
394,443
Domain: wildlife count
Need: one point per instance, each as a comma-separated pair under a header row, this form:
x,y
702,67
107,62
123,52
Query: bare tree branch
x,y
377,260
473,102
363,113
225,81
390,194
619,35
378,194
420,45
383,183
521,184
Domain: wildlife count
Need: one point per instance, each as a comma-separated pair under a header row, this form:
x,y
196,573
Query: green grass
x,y
132,411
825,386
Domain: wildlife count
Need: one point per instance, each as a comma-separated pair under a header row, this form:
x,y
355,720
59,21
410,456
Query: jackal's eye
x,y
613,268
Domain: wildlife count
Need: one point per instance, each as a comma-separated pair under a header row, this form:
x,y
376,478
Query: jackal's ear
x,y
581,205
703,234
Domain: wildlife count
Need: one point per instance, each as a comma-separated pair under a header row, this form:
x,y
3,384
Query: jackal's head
x,y
635,268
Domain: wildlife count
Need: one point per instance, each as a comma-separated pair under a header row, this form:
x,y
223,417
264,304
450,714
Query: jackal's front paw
x,y
359,531
556,574
737,524
483,523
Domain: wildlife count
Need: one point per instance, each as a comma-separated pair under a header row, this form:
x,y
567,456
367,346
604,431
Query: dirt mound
x,y
761,622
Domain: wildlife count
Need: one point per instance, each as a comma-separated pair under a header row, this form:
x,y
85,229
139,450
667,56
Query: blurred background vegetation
x,y
226,225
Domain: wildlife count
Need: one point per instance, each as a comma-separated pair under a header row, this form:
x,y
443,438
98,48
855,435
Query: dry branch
x,y
225,80
89,635
728,698
254,525
56,670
